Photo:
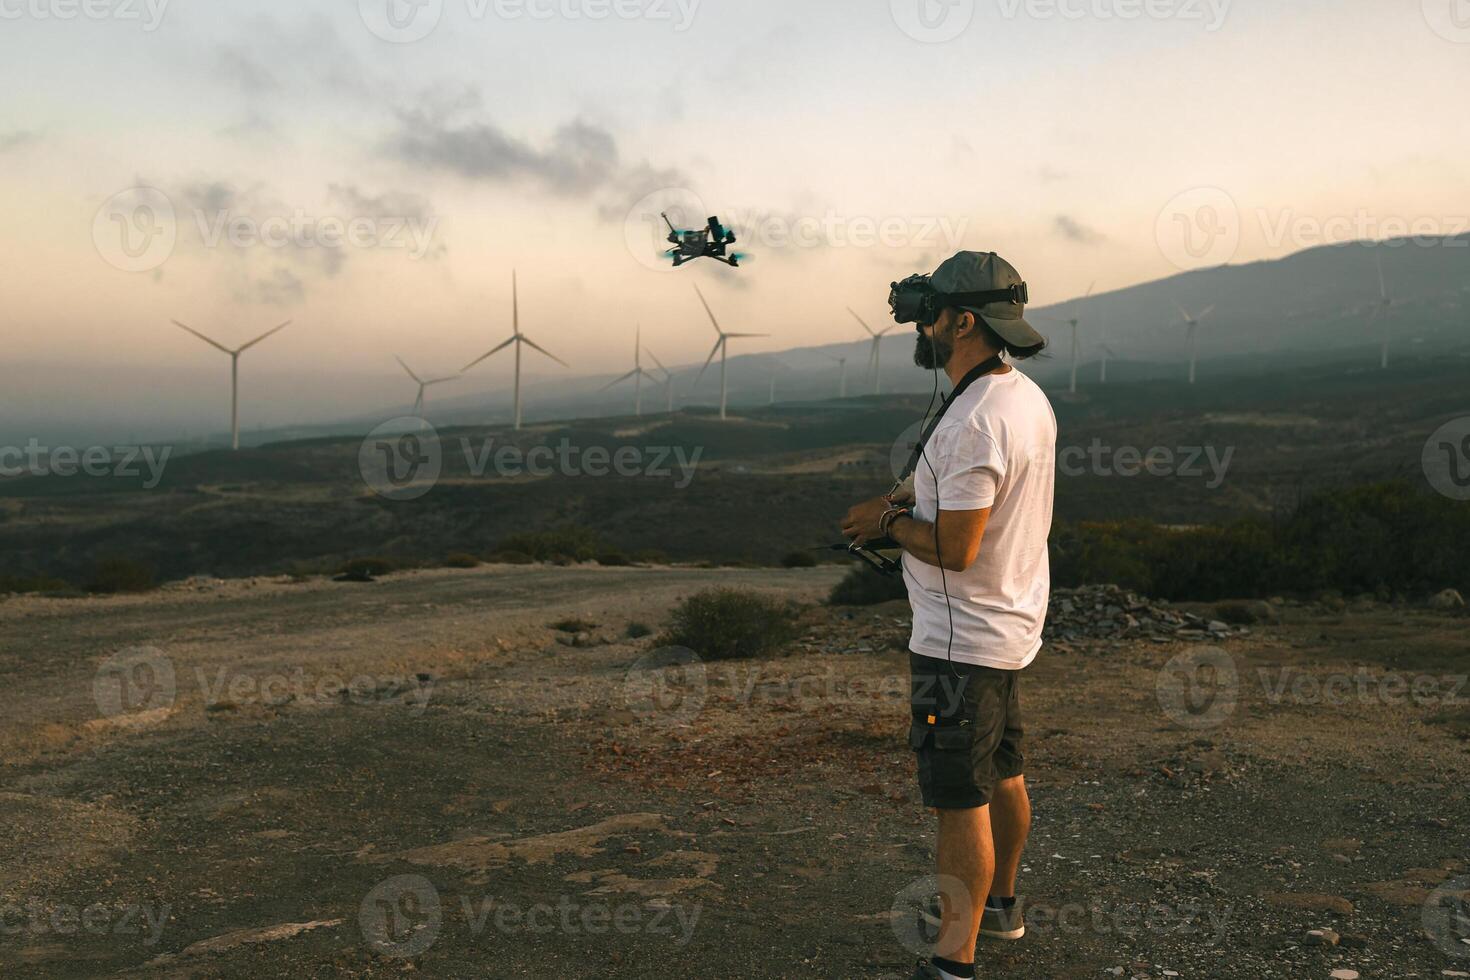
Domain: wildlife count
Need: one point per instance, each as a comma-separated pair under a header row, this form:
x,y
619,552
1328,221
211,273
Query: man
x,y
975,564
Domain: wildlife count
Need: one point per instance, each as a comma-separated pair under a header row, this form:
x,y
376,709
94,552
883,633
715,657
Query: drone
x,y
710,242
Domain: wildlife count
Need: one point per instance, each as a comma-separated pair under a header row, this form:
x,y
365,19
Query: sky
x,y
374,170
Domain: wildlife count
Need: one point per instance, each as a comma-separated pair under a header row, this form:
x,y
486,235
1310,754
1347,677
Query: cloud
x,y
281,288
445,133
1074,231
16,140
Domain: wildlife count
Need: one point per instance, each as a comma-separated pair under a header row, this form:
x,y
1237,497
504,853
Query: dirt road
x,y
423,775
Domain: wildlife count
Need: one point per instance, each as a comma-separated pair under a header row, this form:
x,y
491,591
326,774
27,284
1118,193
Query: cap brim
x,y
1013,330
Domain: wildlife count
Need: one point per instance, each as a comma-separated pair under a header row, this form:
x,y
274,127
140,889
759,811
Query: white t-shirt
x,y
995,447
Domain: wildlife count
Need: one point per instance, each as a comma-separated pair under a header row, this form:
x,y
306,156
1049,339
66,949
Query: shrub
x,y
799,559
866,587
651,556
730,624
37,583
637,631
366,567
613,559
568,543
459,559
113,575
512,558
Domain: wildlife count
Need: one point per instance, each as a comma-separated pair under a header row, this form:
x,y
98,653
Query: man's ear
x,y
964,325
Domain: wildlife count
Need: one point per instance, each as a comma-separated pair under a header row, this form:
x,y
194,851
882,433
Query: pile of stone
x,y
1107,612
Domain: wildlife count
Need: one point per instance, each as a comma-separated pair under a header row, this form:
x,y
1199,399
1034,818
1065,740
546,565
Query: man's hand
x,y
861,522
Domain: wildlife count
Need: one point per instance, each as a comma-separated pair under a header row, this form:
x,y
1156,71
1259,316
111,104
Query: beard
x,y
932,354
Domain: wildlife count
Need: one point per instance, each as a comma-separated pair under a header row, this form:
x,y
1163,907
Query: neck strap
x,y
975,374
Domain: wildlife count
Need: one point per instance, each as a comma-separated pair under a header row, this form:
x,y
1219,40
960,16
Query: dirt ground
x,y
424,776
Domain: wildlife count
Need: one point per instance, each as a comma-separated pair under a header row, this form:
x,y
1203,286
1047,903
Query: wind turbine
x,y
1107,352
1381,309
418,405
842,387
518,339
875,358
1192,321
1074,322
721,348
668,379
637,374
234,373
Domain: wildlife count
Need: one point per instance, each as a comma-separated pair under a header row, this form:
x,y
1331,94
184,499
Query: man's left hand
x,y
861,522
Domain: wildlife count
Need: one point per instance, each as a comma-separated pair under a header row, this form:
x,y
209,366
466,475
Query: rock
x,y
1308,902
1322,937
1344,975
1448,599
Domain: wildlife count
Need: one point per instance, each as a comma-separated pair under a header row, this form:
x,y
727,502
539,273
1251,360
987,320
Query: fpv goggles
x,y
915,300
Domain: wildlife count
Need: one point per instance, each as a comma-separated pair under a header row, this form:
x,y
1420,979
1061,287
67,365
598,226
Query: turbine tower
x,y
1074,322
234,373
518,339
722,348
668,379
1192,321
637,374
842,385
875,358
418,405
1381,309
1107,352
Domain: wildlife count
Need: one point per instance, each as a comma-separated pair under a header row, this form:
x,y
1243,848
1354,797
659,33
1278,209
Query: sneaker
x,y
926,971
1002,923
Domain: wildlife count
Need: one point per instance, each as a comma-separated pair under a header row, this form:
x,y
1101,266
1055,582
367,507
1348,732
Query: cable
x,y
939,554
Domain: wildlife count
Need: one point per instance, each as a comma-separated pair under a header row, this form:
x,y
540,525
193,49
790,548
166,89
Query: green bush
x,y
637,631
37,583
799,559
1382,539
573,543
459,559
730,624
113,575
864,586
367,567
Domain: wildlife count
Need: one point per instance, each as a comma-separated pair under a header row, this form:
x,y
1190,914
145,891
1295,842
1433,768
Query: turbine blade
x,y
485,357
709,311
747,335
1183,312
269,333
534,346
700,377
1206,312
864,323
656,360
440,381
202,337
1088,294
614,384
515,303
408,369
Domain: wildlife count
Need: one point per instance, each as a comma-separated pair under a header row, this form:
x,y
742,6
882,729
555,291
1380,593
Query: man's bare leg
x,y
966,859
1010,823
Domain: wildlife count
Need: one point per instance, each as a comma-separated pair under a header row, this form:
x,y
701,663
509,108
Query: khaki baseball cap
x,y
978,272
